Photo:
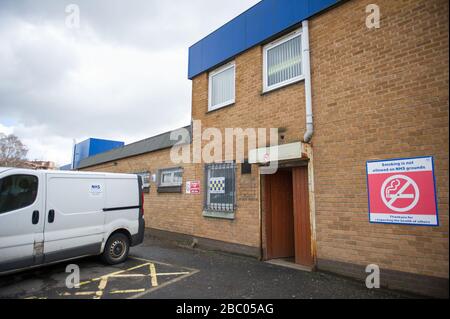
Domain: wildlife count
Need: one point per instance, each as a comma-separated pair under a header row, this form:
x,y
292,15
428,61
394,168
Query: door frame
x,y
265,227
269,220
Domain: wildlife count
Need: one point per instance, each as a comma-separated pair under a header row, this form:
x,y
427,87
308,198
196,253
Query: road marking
x,y
119,272
83,293
131,276
153,275
101,287
157,274
167,283
130,291
162,263
173,273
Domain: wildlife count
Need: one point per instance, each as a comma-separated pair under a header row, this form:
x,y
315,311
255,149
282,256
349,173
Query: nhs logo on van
x,y
96,189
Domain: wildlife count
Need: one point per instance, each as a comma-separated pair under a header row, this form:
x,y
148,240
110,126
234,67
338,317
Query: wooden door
x,y
279,215
303,251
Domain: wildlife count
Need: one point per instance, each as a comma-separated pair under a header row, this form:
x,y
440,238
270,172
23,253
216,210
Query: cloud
x,y
5,129
122,75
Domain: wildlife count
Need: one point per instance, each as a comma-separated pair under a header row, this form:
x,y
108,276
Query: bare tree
x,y
12,151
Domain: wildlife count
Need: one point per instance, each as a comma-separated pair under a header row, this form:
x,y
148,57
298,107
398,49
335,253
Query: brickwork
x,y
379,94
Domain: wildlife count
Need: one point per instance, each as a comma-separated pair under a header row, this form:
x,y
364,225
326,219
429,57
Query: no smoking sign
x,y
402,191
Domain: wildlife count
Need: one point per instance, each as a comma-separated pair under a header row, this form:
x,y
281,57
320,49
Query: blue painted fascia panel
x,y
97,146
259,23
92,147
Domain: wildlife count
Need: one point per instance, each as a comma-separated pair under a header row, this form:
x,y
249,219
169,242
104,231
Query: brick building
x,y
376,94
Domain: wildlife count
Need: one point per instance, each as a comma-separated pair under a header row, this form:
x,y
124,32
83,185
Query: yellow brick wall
x,y
379,94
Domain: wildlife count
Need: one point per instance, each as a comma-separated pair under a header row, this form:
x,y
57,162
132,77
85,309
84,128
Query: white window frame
x,y
214,73
284,39
171,172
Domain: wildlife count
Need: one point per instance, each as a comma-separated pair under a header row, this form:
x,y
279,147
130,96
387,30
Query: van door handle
x,y
51,216
35,217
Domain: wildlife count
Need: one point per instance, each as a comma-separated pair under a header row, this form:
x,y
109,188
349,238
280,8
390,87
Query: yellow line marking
x,y
128,276
162,263
120,274
104,279
101,286
98,295
157,274
130,291
113,274
165,284
173,273
153,275
85,283
103,283
85,293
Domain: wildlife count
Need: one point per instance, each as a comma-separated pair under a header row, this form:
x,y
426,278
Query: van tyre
x,y
116,249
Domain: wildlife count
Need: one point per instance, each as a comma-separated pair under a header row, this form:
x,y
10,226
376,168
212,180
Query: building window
x,y
220,195
222,87
17,192
145,178
170,180
283,61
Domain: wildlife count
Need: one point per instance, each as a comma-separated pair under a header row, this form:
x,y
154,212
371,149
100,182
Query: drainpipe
x,y
308,92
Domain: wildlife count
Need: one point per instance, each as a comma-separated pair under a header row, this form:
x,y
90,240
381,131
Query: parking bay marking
x,y
120,274
191,272
153,276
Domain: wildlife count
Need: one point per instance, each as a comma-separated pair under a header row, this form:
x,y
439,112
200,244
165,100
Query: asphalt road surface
x,y
159,269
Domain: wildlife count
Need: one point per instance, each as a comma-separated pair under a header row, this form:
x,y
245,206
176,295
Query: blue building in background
x,y
92,147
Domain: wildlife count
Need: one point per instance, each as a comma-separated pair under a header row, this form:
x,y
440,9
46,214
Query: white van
x,y
52,216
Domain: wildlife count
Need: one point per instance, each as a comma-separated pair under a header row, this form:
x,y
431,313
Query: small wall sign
x,y
193,187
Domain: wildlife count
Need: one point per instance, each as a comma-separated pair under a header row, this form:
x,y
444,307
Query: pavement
x,y
162,270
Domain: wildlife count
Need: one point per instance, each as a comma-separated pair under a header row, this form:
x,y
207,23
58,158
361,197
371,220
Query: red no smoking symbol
x,y
400,193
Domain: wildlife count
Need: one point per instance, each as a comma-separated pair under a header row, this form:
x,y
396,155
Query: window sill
x,y
267,91
219,215
221,108
170,189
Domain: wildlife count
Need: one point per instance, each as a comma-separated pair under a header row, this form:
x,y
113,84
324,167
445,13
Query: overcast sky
x,y
121,75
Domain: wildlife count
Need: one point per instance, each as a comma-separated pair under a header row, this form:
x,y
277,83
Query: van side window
x,y
17,191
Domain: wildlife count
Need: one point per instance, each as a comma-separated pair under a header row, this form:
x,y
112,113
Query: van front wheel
x,y
116,249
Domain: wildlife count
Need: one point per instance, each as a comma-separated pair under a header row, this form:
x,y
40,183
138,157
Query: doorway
x,y
288,227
